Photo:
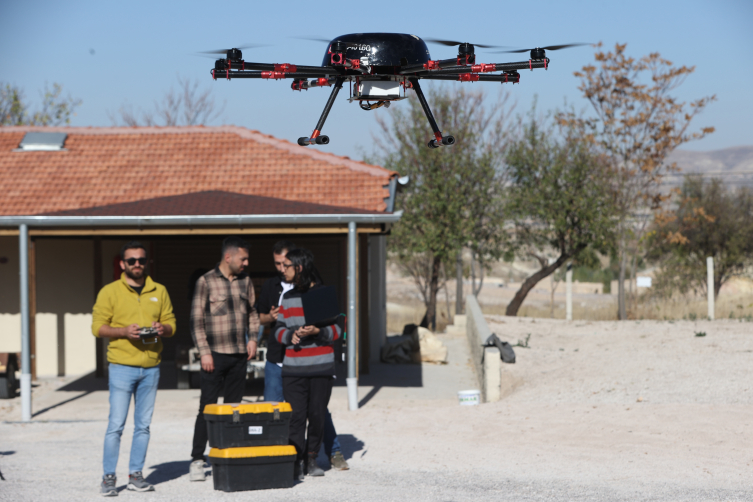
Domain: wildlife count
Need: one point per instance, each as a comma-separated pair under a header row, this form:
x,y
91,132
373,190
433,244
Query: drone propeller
x,y
224,51
547,48
451,43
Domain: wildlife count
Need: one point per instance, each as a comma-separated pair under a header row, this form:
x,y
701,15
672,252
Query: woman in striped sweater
x,y
309,365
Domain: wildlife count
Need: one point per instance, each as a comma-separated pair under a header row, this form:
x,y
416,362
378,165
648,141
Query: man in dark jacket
x,y
268,308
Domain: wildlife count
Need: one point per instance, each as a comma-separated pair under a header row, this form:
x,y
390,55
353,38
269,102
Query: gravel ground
x,y
600,411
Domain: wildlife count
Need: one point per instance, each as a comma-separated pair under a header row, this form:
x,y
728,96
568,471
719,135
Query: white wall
x,y
80,344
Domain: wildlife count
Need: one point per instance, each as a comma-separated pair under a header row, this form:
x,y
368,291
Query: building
x,y
81,193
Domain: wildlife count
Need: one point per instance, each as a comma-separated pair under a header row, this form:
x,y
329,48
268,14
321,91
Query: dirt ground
x,y
599,411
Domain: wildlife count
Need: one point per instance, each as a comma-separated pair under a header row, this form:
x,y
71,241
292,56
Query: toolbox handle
x,y
276,416
236,416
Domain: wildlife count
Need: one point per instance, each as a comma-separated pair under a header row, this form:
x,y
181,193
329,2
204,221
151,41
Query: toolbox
x,y
247,424
252,468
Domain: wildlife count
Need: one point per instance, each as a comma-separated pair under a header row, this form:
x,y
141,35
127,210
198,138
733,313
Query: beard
x,y
134,274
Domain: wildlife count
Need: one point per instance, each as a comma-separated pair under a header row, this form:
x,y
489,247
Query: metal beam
x,y
352,379
195,221
23,251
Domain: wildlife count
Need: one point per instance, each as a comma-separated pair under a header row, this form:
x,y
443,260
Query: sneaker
x,y
298,473
337,461
137,483
108,486
312,468
196,471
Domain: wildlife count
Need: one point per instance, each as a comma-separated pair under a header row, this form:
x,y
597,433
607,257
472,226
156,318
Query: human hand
x,y
309,331
251,348
133,331
296,338
274,313
207,363
159,327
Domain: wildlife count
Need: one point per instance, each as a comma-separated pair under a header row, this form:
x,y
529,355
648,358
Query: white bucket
x,y
469,397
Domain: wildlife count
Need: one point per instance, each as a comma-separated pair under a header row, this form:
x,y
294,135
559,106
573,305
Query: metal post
x,y
23,251
352,380
710,285
569,292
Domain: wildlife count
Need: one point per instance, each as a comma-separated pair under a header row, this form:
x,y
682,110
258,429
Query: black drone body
x,y
381,67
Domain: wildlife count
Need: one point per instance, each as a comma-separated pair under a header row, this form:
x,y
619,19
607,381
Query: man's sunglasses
x,y
132,261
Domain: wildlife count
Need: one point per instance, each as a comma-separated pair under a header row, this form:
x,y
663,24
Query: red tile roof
x,y
106,166
213,202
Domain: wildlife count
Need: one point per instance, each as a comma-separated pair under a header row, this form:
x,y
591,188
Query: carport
x,y
67,228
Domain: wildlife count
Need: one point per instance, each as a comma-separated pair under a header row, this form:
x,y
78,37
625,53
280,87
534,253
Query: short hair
x,y
131,245
304,259
281,246
234,242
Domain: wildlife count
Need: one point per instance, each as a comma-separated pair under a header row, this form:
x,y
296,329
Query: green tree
x,y
15,110
450,201
559,200
637,123
710,220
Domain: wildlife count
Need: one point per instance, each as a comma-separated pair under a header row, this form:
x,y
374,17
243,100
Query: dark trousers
x,y
230,373
309,397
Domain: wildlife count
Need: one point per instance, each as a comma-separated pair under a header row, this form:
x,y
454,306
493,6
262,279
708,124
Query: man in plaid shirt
x,y
221,314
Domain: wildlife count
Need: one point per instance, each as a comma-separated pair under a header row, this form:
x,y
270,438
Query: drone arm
x,y
222,65
513,78
276,75
486,68
315,136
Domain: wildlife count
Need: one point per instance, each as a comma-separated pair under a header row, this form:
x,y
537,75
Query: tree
x,y
189,105
446,204
709,220
637,123
559,199
56,110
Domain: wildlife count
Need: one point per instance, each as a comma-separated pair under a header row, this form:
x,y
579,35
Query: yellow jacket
x,y
119,306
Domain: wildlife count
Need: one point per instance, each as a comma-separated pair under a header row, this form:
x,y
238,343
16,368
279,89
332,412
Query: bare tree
x,y
188,105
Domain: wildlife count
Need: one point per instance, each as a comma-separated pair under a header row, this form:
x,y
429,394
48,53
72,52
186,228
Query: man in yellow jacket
x,y
123,309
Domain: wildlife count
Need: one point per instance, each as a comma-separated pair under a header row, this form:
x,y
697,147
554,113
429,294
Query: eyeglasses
x,y
132,261
287,265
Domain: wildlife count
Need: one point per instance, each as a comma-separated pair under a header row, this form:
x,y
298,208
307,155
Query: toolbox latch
x,y
236,416
276,415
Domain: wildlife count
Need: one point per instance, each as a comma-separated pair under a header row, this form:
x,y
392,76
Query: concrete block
x,y
459,321
492,375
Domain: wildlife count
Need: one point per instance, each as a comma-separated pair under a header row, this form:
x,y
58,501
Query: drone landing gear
x,y
438,140
316,138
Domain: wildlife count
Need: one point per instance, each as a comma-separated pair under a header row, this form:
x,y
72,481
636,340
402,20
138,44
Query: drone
x,y
380,68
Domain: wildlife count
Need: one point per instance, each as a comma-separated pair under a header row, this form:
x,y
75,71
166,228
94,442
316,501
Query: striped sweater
x,y
315,355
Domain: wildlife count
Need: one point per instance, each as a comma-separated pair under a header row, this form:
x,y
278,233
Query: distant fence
x,y
485,359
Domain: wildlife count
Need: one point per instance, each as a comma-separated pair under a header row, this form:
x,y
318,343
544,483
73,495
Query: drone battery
x,y
256,468
247,424
379,90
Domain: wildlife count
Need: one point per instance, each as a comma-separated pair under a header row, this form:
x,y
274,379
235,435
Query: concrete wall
x,y
486,360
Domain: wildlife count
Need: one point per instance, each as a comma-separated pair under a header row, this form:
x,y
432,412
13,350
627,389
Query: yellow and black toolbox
x,y
252,468
247,424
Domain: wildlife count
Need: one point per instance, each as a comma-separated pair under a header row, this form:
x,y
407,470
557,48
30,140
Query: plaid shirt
x,y
222,312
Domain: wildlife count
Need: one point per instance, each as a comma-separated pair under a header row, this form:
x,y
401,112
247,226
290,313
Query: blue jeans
x,y
124,382
330,442
273,383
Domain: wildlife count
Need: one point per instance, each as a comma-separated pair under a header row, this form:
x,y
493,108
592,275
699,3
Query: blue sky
x,y
141,47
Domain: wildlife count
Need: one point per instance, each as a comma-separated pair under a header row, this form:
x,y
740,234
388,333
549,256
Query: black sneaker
x,y
108,488
137,483
298,472
313,469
